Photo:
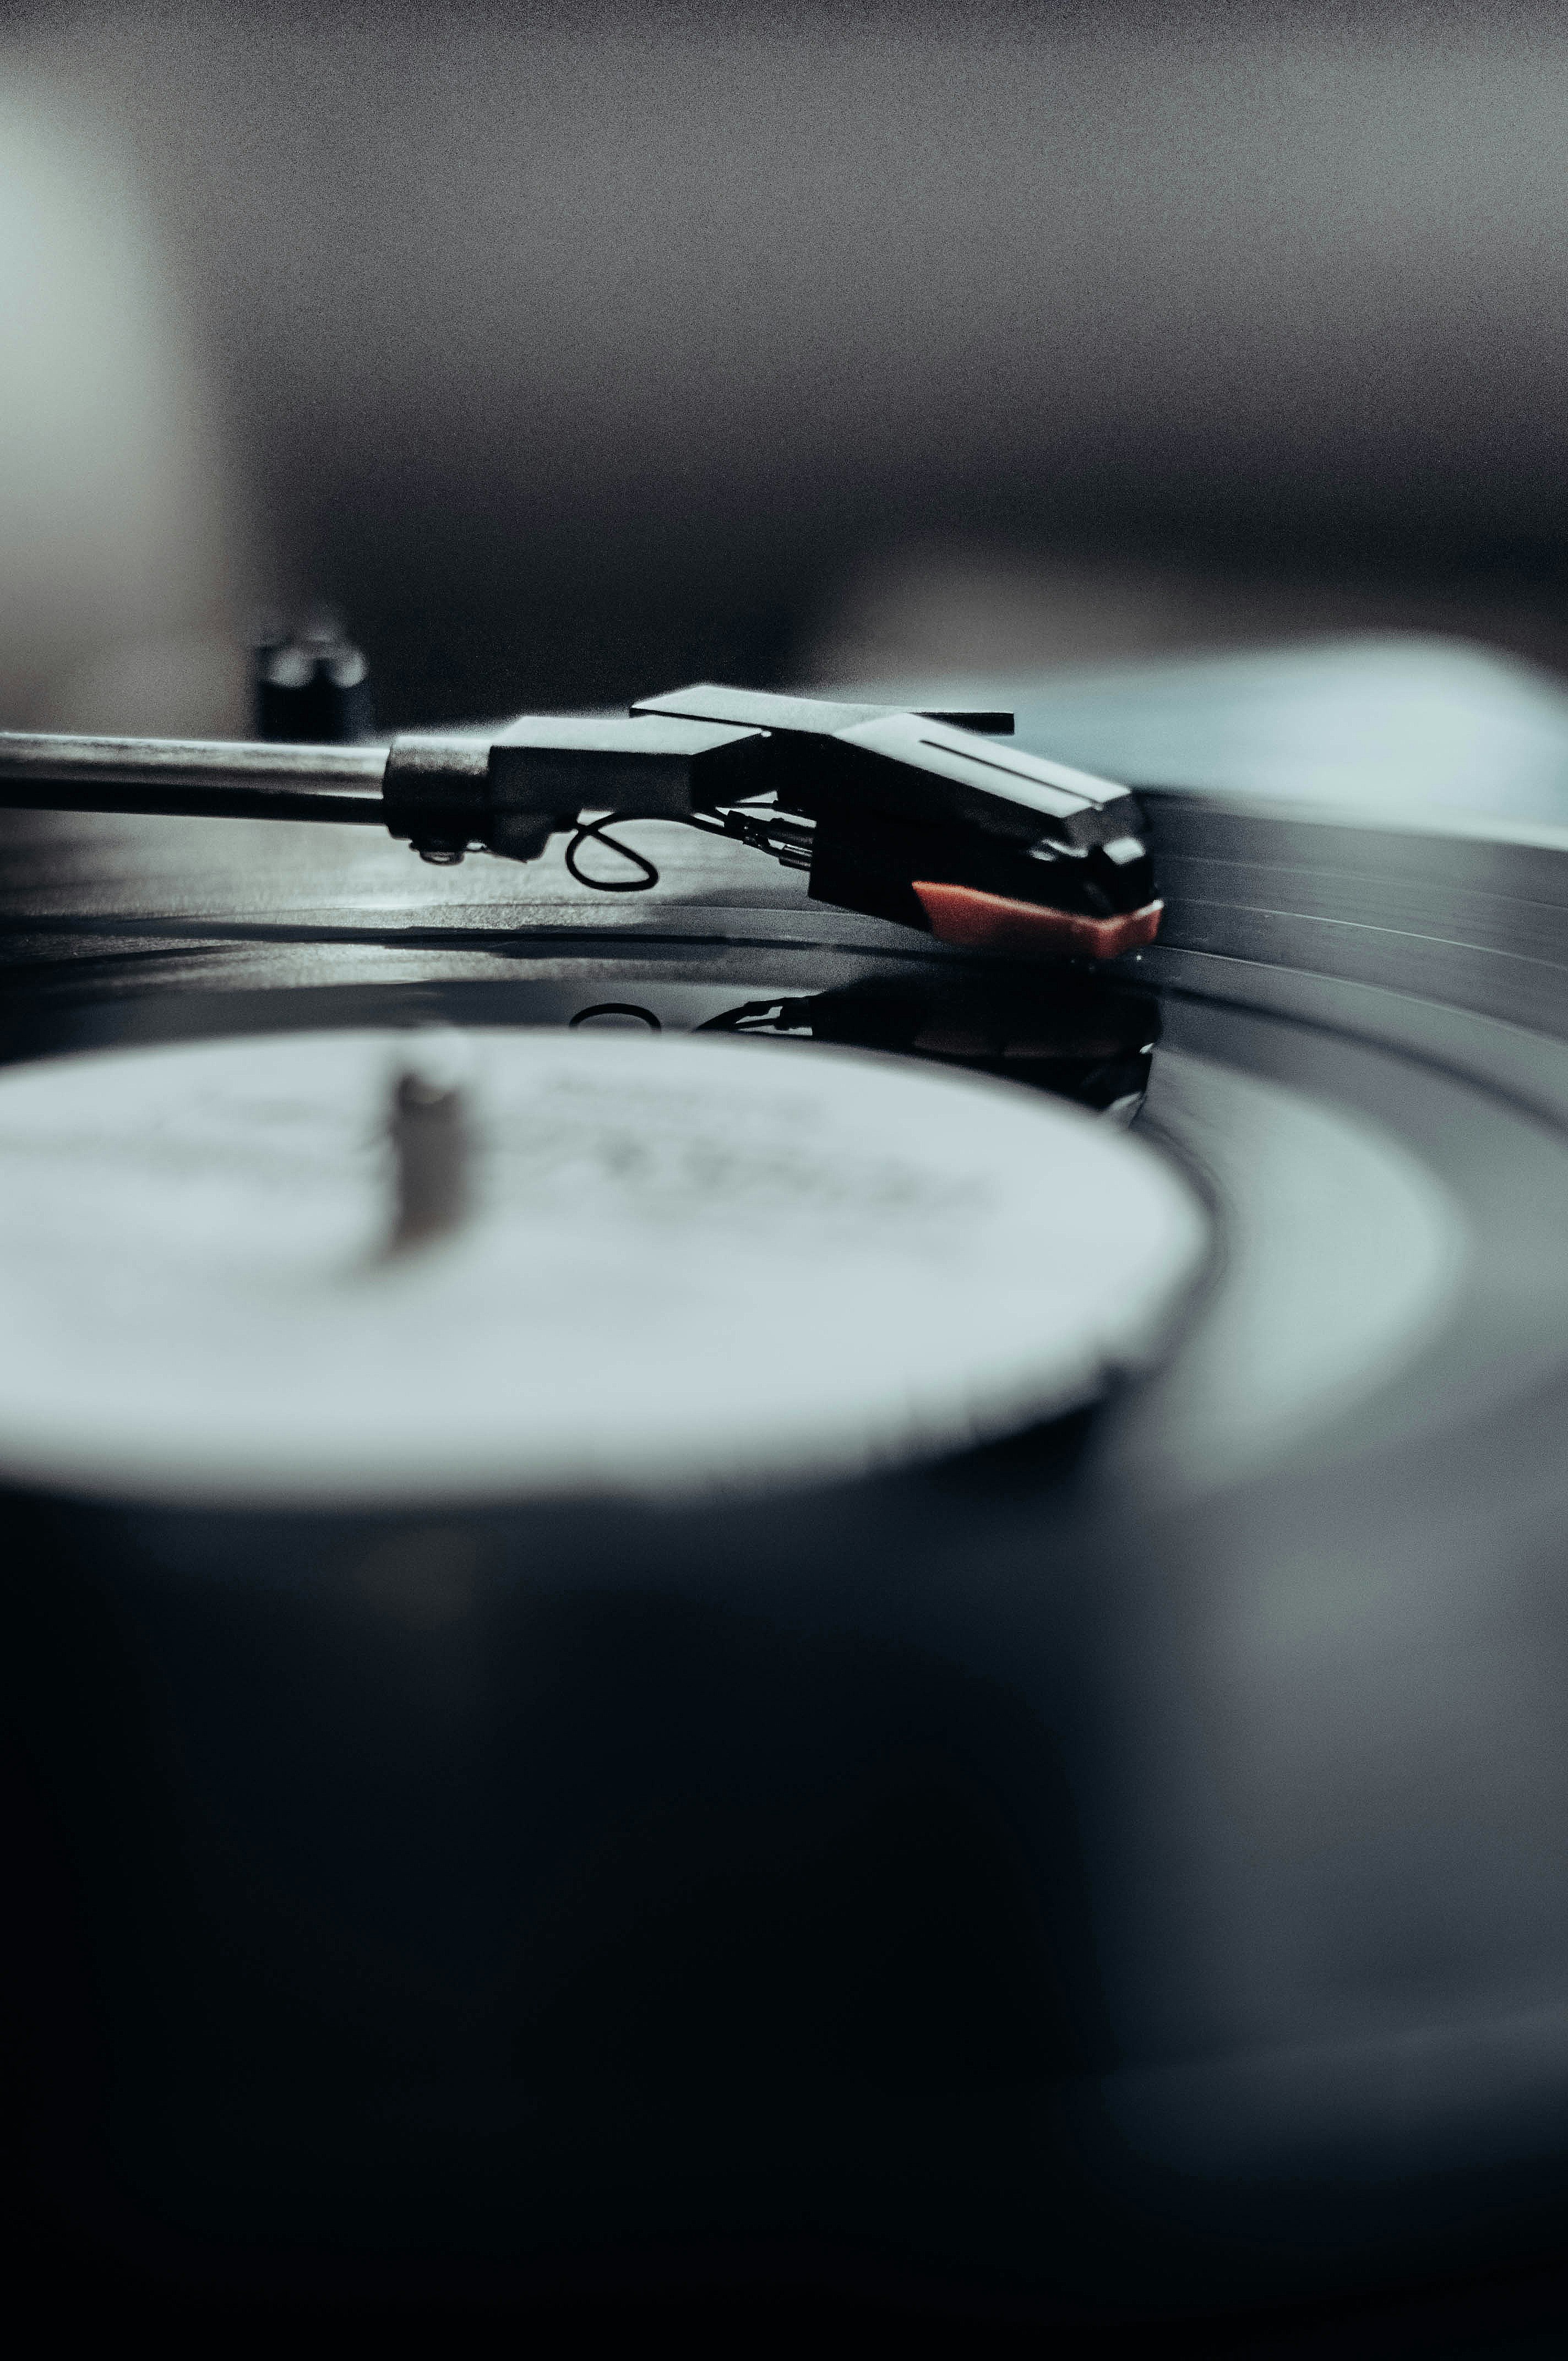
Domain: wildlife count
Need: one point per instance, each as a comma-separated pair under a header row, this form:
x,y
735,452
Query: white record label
x,y
685,1264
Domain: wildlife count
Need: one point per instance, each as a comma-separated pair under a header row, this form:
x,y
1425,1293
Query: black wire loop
x,y
763,831
596,829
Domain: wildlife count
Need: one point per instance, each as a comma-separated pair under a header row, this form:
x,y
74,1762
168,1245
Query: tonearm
x,y
928,818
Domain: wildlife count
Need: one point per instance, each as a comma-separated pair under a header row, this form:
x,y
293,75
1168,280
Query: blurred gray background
x,y
575,351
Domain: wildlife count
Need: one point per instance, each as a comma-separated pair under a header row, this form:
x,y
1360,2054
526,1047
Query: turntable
x,y
841,1572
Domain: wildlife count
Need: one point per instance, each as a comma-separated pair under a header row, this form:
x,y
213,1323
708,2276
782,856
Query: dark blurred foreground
x,y
495,1927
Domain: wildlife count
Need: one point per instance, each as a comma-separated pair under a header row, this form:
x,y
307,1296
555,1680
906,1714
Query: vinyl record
x,y
1112,1870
